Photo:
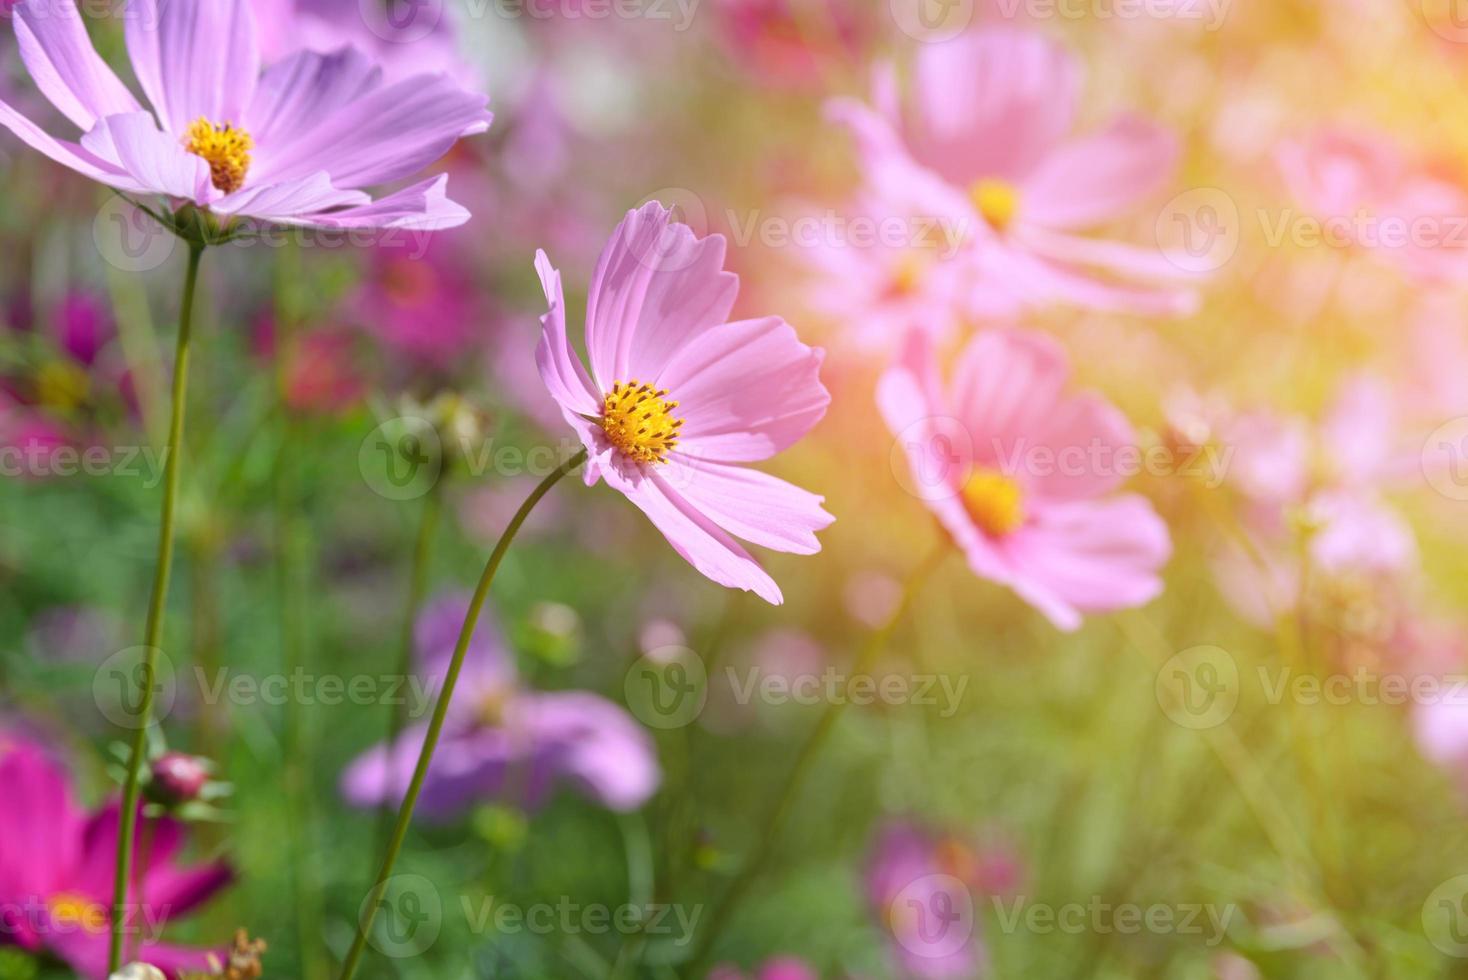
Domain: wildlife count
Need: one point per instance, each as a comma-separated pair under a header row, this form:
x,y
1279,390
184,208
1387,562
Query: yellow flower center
x,y
907,274
61,385
640,421
994,501
996,200
226,149
69,909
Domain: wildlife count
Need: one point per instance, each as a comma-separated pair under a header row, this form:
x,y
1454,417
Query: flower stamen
x,y
639,421
225,148
994,501
996,201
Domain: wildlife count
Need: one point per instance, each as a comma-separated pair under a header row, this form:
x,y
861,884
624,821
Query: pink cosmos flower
x,y
1022,475
294,144
678,397
1334,476
56,867
984,146
1370,192
505,741
919,889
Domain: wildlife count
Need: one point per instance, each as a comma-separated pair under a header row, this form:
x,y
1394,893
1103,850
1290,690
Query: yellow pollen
x,y
226,149
639,420
61,385
907,275
994,501
71,910
997,201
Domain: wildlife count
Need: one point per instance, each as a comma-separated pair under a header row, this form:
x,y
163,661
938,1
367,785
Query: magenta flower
x,y
294,144
984,146
678,397
56,867
925,904
1023,475
504,741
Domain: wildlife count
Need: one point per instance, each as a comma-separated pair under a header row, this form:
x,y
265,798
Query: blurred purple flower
x,y
56,867
503,741
293,144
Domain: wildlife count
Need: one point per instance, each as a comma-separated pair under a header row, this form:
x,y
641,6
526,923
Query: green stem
x,y
163,567
417,585
440,711
790,791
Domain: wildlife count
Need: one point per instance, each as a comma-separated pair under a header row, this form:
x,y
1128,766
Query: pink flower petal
x,y
66,68
746,390
305,196
701,542
560,367
1089,556
657,288
194,58
154,159
423,206
1098,178
754,506
992,104
384,135
68,154
301,92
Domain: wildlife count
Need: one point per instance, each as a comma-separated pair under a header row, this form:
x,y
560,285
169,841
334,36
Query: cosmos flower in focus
x,y
1023,475
503,741
56,868
984,145
678,398
295,144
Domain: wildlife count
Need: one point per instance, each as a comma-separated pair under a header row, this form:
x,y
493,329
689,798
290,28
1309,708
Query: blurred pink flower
x,y
403,37
921,891
294,144
1023,475
56,867
423,306
678,397
1332,477
791,43
779,968
1370,193
504,741
984,146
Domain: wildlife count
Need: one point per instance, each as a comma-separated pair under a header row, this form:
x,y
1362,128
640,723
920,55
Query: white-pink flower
x,y
984,144
678,398
1023,474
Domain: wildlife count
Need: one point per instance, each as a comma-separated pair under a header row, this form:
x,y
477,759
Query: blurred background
x,y
1259,774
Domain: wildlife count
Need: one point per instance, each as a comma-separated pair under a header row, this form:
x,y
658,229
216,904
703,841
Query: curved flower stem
x,y
417,585
876,642
440,711
163,567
